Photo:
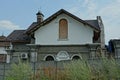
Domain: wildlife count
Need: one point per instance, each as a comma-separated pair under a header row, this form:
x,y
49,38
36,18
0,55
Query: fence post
x,y
34,70
56,71
4,71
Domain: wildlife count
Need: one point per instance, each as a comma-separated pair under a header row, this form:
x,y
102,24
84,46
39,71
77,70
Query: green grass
x,y
20,71
103,69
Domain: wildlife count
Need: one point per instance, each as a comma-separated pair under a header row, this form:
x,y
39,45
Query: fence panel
x,y
51,69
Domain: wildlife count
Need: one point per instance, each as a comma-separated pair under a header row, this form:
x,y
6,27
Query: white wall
x,y
2,50
77,33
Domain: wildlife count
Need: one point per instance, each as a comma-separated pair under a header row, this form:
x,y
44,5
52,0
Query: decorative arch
x,y
62,55
76,57
49,58
63,17
63,29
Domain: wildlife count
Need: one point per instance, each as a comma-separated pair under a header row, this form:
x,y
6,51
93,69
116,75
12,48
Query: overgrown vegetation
x,y
20,71
79,70
103,69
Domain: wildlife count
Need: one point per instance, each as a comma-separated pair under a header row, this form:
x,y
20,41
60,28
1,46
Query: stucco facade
x,y
78,33
41,41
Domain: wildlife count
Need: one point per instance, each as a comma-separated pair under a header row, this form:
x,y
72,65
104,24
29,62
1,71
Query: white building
x,y
62,36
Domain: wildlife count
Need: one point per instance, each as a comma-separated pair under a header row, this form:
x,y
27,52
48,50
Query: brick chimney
x,y
39,17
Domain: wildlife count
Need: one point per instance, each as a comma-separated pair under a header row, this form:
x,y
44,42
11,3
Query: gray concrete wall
x,y
84,51
54,50
116,47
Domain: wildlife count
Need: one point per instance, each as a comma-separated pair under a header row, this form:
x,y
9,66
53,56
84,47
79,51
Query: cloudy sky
x,y
19,14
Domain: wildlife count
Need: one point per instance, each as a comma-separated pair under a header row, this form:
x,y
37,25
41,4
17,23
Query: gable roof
x,y
38,25
18,36
31,27
93,23
4,44
3,41
2,38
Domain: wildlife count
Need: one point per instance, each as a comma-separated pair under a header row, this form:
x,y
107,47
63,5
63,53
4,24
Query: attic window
x,y
63,29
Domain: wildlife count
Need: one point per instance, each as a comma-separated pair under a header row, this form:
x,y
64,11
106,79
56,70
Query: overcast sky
x,y
19,14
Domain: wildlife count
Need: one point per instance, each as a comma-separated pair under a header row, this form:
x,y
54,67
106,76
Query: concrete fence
x,y
54,66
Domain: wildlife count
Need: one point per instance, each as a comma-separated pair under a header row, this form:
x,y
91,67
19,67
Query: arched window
x,y
63,29
49,58
75,58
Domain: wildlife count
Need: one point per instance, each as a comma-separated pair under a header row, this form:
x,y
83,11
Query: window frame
x,y
63,36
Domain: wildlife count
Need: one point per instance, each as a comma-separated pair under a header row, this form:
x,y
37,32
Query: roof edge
x,y
55,15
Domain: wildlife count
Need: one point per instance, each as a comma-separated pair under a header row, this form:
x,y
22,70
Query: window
x,y
49,58
75,58
63,29
96,37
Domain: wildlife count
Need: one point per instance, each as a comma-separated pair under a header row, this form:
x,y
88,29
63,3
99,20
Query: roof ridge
x,y
91,20
47,20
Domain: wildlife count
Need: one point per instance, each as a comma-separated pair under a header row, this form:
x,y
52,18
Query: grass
x,y
20,71
104,69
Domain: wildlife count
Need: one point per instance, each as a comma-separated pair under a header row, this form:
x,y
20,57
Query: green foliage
x,y
110,69
78,70
20,71
104,69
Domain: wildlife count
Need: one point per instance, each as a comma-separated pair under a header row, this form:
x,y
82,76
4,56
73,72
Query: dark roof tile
x,y
2,38
35,27
3,44
3,41
93,22
31,26
18,36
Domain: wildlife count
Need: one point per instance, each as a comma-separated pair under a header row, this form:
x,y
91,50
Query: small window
x,y
75,58
49,58
63,29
